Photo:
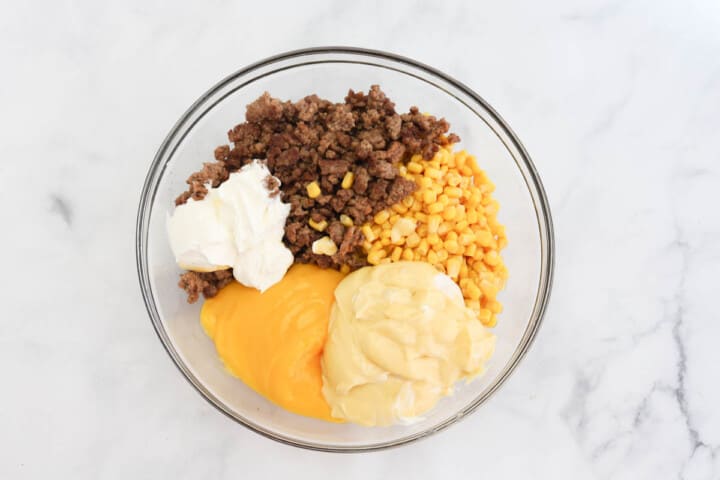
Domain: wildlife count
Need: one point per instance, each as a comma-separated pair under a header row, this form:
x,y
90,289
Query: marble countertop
x,y
618,102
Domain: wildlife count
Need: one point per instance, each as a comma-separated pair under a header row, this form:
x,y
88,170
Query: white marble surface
x,y
618,102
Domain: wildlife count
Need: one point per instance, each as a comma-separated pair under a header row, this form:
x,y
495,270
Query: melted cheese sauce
x,y
273,341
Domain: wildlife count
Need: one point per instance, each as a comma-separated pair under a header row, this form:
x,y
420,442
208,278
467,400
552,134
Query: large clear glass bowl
x,y
330,72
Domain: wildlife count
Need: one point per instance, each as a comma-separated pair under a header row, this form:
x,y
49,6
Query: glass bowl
x,y
330,72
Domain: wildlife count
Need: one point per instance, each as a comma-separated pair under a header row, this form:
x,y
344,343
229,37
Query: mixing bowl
x,y
330,72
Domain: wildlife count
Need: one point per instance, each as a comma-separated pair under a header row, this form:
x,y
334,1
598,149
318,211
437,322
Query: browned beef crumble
x,y
315,140
208,284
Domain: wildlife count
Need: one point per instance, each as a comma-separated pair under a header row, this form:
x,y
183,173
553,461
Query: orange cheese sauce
x,y
273,341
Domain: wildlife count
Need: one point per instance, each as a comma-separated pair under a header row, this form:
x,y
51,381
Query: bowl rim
x,y
540,202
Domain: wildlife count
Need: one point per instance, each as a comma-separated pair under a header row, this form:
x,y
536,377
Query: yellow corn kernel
x,y
449,213
399,208
422,230
423,247
413,240
494,306
486,276
393,218
425,182
441,156
484,316
451,236
472,163
442,255
453,267
451,246
463,269
324,246
433,222
436,207
473,291
488,289
397,239
348,180
466,171
395,255
408,254
492,208
466,239
385,242
472,217
484,238
453,192
492,258
444,228
381,217
319,226
345,269
367,246
429,196
503,273
433,171
462,224
470,250
414,167
385,234
369,234
376,246
453,179
404,226
375,256
433,239
313,190
346,220
402,170
432,257
444,199
408,201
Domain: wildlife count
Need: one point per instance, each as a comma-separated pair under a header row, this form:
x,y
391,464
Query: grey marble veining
x,y
618,103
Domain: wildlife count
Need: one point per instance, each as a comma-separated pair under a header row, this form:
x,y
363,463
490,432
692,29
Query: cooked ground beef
x,y
208,284
315,140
